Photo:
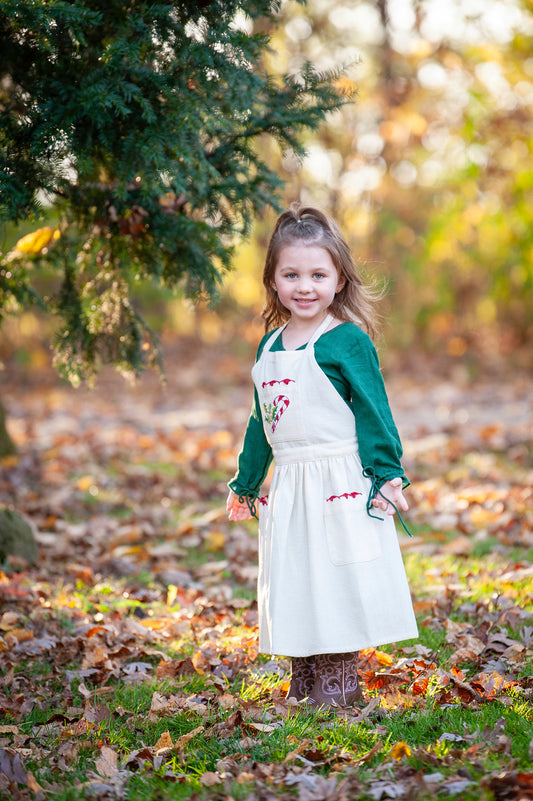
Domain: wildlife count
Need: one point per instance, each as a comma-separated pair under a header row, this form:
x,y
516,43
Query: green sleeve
x,y
379,444
256,454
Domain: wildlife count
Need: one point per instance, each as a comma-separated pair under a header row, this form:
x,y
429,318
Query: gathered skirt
x,y
331,577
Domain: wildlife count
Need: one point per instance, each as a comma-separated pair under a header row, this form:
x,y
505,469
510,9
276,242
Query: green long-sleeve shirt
x,y
350,361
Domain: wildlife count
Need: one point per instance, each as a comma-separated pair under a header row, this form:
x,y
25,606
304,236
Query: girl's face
x,y
306,281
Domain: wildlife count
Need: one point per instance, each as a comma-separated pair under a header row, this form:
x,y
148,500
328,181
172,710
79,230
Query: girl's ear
x,y
341,283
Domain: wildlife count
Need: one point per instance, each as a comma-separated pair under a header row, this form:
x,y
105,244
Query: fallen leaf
x,y
106,763
182,741
399,750
266,728
386,789
33,784
165,741
210,779
370,754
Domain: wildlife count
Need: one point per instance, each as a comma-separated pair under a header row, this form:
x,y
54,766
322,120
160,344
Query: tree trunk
x,y
7,446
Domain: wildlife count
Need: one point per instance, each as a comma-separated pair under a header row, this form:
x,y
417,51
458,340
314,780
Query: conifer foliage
x,y
138,122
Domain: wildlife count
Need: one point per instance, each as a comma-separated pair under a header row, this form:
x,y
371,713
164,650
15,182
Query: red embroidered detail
x,y
274,410
344,495
283,381
263,500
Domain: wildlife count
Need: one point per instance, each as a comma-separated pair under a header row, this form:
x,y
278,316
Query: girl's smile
x,y
306,281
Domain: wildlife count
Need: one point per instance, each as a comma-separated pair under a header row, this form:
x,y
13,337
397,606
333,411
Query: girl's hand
x,y
236,509
392,490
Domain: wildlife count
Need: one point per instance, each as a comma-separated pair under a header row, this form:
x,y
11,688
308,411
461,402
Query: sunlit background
x,y
429,172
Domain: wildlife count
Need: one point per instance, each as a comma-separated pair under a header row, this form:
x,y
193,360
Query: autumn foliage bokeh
x,y
428,172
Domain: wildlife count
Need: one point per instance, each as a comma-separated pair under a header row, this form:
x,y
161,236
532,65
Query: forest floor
x,y
128,654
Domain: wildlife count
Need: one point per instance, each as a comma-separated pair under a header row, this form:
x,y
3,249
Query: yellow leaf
x,y
33,243
172,594
11,460
201,665
215,540
400,750
153,623
84,483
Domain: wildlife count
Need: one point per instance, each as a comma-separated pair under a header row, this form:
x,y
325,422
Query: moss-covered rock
x,y
16,537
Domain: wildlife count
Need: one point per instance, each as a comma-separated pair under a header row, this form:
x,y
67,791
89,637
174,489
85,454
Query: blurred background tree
x,y
130,130
430,172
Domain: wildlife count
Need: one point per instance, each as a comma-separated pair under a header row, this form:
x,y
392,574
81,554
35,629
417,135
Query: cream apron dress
x,y
331,578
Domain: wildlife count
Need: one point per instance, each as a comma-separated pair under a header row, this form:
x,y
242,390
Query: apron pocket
x,y
350,533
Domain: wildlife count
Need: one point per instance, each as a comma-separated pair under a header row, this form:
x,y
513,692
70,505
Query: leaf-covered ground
x,y
128,655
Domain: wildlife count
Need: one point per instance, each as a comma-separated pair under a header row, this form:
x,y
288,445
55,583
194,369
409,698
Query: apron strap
x,y
319,331
273,338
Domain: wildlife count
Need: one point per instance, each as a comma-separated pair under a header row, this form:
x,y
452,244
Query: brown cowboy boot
x,y
303,674
336,684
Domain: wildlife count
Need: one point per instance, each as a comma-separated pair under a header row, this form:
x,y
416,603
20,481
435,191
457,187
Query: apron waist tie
x,y
312,453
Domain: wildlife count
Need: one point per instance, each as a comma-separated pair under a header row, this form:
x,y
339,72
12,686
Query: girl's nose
x,y
304,285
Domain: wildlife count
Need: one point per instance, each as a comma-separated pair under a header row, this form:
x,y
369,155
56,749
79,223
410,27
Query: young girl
x,y
331,577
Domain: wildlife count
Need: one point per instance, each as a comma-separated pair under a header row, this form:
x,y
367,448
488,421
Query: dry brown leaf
x,y
470,648
247,742
9,729
11,766
244,777
370,754
33,784
460,546
107,763
227,701
8,620
165,741
490,683
161,703
175,667
195,706
266,728
182,741
210,779
297,751
97,713
19,635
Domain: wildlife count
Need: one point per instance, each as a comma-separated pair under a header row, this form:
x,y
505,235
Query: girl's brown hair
x,y
309,226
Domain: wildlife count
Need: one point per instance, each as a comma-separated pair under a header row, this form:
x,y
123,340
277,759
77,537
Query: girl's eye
x,y
319,275
290,275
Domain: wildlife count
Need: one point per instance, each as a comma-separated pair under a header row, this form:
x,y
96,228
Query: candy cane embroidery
x,y
263,500
283,381
274,410
344,495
